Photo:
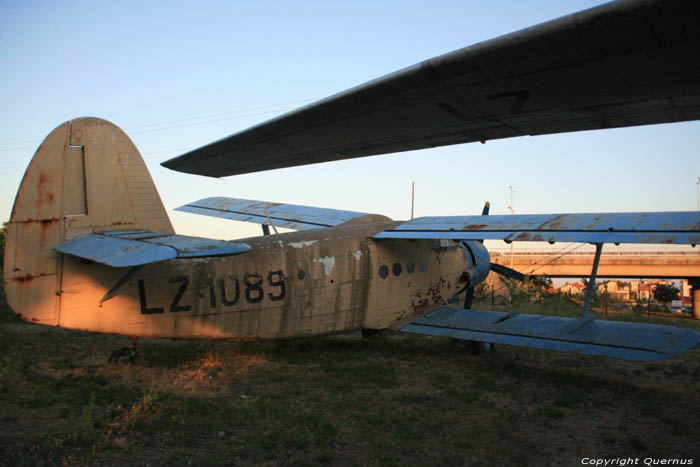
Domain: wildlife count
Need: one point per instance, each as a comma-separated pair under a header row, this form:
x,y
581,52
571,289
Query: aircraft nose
x,y
478,260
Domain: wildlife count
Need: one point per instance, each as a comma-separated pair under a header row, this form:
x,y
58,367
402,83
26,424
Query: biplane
x,y
90,245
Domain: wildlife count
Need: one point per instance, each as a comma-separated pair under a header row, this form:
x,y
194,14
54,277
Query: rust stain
x,y
45,194
42,221
43,178
25,278
522,236
556,224
474,226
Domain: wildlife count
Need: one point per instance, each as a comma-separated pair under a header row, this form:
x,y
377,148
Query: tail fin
x,y
86,176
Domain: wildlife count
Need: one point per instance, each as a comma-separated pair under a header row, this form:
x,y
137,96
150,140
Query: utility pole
x,y
512,211
413,187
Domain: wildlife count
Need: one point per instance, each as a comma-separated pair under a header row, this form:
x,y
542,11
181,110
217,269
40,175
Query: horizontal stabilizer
x,y
628,341
288,216
641,227
137,247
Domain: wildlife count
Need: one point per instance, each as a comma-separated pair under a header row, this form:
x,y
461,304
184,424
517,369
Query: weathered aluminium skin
x,y
87,176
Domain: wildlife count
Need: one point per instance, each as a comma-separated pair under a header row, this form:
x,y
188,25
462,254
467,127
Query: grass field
x,y
391,400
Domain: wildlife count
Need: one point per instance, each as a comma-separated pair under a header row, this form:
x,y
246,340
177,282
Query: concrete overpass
x,y
669,264
614,264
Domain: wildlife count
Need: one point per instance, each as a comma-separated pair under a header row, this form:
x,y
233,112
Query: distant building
x,y
572,289
616,289
646,290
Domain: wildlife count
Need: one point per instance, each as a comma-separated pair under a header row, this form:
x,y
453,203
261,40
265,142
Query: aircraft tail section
x,y
87,176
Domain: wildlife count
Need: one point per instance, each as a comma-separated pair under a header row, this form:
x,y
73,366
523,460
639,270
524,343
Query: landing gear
x,y
477,347
481,348
372,333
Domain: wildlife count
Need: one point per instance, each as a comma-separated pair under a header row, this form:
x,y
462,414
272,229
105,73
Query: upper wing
x,y
643,227
620,64
289,216
137,247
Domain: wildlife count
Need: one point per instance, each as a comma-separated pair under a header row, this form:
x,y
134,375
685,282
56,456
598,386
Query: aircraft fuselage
x,y
289,285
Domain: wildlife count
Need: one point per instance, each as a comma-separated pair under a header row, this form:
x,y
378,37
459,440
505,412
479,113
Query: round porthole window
x,y
422,264
383,271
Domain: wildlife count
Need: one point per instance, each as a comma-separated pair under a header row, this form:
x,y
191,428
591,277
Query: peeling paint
x,y
328,264
302,244
357,254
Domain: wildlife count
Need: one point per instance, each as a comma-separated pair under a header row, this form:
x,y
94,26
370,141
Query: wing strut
x,y
591,282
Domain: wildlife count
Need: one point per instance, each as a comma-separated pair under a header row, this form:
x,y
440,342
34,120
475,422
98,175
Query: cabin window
x,y
422,265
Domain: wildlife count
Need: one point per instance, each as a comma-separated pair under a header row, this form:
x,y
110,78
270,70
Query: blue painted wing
x,y
643,227
628,341
138,247
289,216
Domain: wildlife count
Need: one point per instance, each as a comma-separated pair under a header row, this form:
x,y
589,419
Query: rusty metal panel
x,y
407,279
644,227
134,248
628,341
289,216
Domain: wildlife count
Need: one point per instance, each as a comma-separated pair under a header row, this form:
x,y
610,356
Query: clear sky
x,y
176,75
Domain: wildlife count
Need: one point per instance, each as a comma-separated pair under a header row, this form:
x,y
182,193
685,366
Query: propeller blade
x,y
508,272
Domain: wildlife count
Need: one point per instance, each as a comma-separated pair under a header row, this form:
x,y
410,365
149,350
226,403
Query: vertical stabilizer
x,y
87,176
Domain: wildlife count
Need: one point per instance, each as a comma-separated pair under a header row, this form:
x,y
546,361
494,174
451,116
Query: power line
x,y
565,252
193,121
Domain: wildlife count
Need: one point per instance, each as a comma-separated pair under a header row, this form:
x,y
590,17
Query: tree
x,y
518,291
666,293
533,287
539,286
3,231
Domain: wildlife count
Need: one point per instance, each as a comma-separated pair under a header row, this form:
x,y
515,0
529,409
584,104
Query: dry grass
x,y
393,400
